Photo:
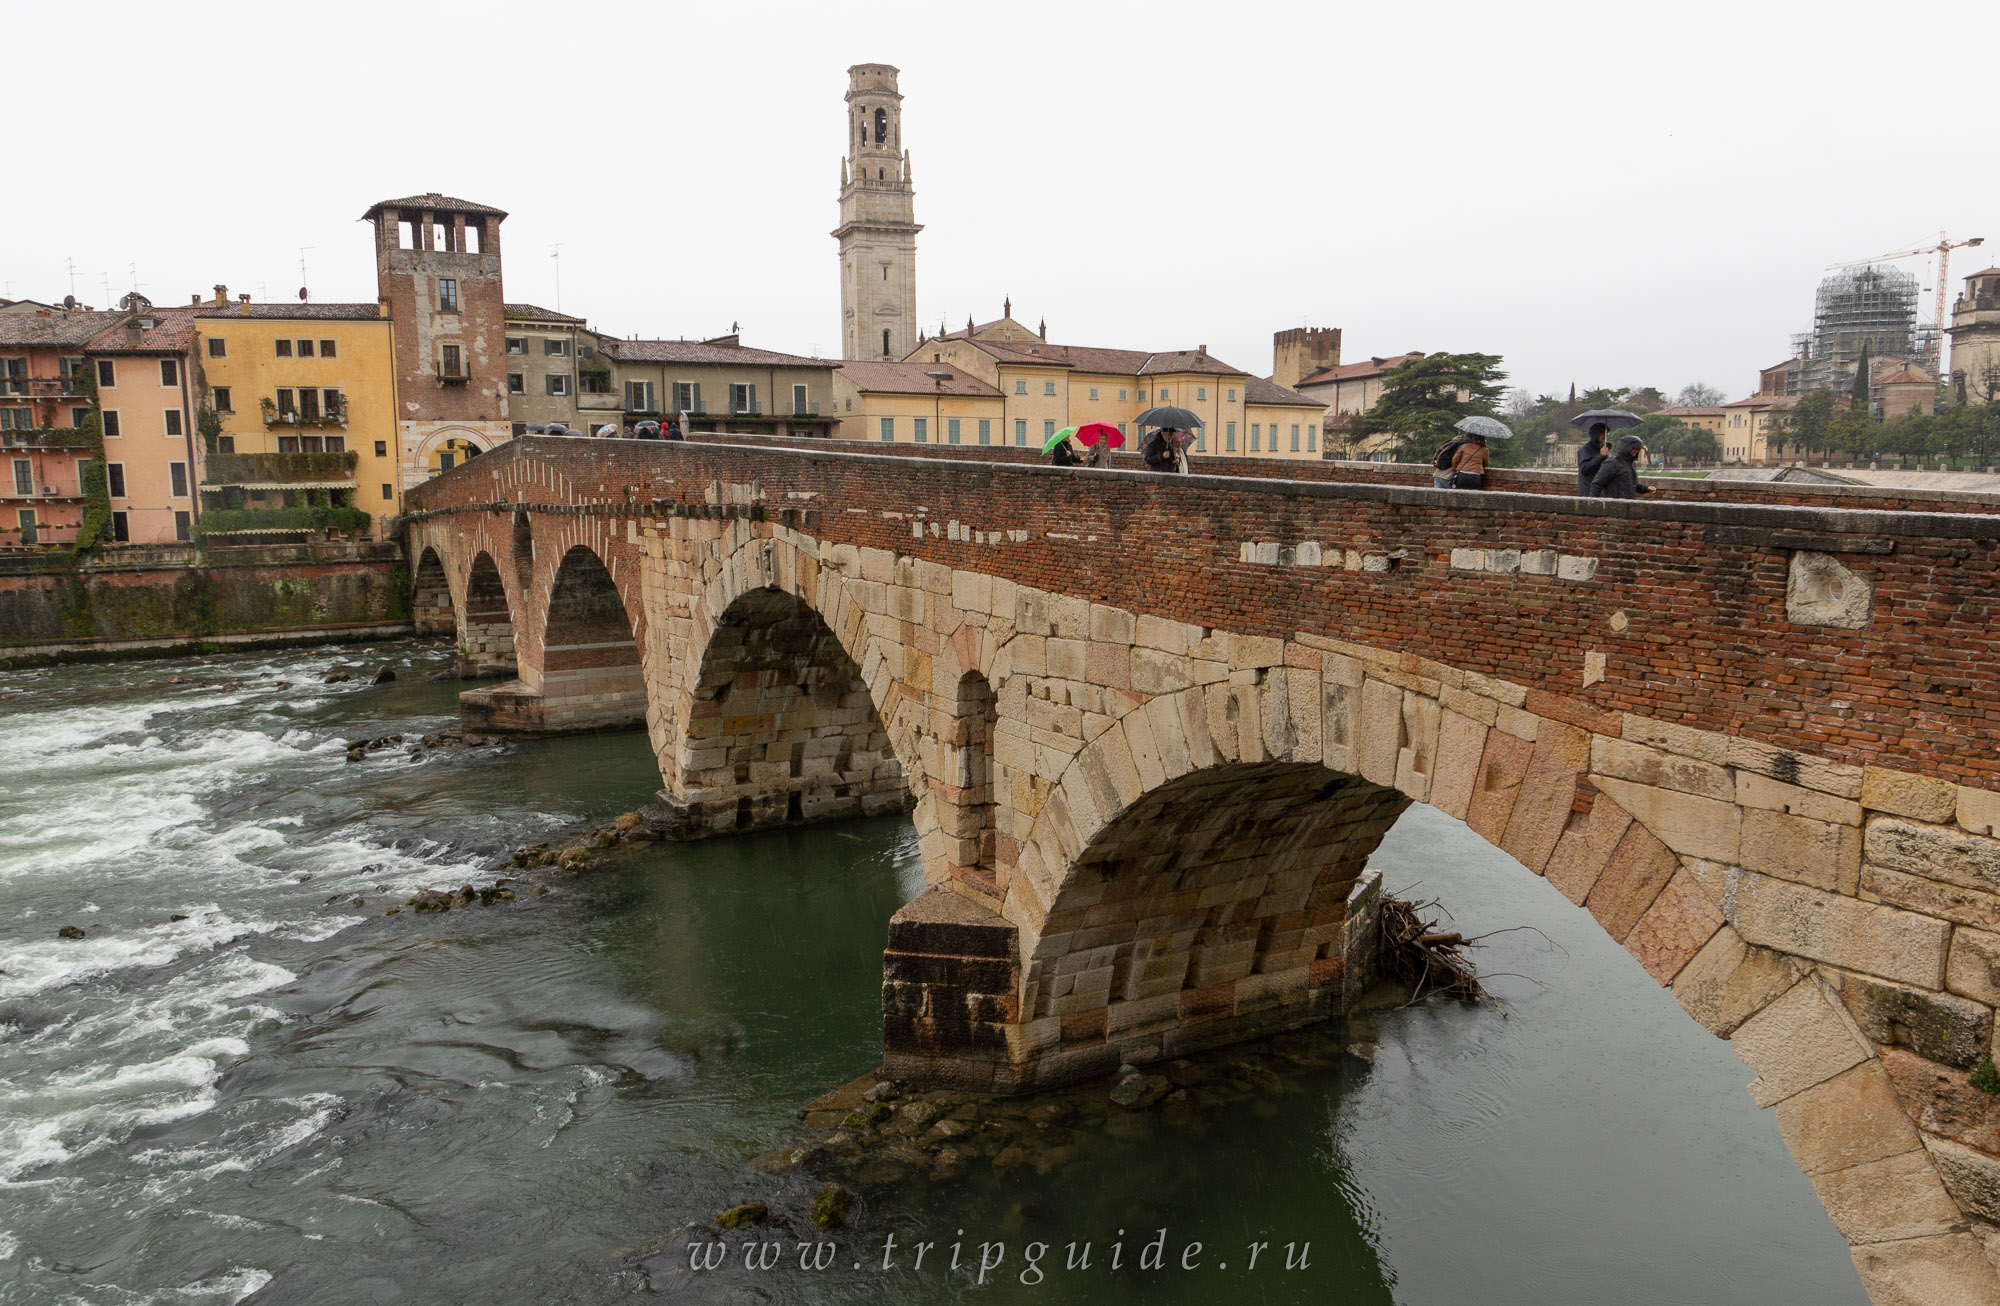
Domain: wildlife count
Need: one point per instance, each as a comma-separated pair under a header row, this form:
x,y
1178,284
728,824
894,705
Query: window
x,y
218,347
1142,396
183,527
114,479
172,420
517,345
923,430
885,343
1164,394
951,430
305,349
1048,387
387,493
447,460
1312,439
447,295
888,429
1232,396
742,398
1256,436
285,405
1020,387
1121,396
986,430
14,376
288,444
283,348
687,397
111,423
121,528
1229,438
1200,439
1093,394
326,349
558,383
24,476
15,419
177,480
223,402
1048,430
448,361
1295,437
336,444
381,448
107,373
798,401
1200,392
516,384
78,416
1020,432
555,347
308,404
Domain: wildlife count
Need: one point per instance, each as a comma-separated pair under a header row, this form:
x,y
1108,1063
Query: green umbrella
x,y
1058,438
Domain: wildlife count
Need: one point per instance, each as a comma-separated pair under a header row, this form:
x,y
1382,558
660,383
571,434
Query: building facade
x,y
878,222
45,419
1975,340
917,403
1749,433
438,271
551,360
149,381
718,385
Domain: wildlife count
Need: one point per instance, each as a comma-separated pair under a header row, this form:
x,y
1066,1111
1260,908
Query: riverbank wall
x,y
166,599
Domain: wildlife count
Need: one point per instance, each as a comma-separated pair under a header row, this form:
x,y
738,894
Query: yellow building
x,y
1748,433
301,379
916,403
1045,387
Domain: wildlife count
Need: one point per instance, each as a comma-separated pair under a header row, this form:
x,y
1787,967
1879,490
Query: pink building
x,y
43,403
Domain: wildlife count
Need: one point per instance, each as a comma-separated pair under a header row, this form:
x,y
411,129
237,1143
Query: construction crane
x,y
1942,249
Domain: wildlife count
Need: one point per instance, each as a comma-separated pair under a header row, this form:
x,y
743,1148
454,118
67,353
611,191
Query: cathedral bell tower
x,y
878,222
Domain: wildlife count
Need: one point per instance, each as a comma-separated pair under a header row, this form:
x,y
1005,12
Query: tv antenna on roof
x,y
555,252
302,271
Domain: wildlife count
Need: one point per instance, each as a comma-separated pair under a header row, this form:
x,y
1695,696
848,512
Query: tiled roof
x,y
533,313
1112,362
1188,360
1766,401
173,333
59,331
297,312
1909,376
697,351
1698,410
912,379
435,202
1263,390
1356,371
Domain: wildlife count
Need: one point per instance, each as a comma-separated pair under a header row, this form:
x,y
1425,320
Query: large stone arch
x,y
590,673
432,610
486,627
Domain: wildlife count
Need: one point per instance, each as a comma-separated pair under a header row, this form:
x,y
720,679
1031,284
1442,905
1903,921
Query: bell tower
x,y
878,222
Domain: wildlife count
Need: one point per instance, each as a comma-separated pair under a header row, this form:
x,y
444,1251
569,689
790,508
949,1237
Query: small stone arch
x,y
590,675
486,626
431,608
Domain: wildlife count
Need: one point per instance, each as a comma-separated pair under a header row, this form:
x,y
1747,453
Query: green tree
x,y
1673,441
1808,424
1859,393
1423,397
1854,430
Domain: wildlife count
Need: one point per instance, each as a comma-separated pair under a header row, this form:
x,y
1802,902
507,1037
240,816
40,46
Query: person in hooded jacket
x,y
1590,456
1618,477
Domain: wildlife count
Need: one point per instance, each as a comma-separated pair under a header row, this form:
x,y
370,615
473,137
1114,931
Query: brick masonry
x,y
1148,763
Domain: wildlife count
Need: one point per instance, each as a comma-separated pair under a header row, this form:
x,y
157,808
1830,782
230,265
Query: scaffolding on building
x,y
1873,308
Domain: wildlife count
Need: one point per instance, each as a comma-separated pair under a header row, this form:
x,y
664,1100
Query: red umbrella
x,y
1092,432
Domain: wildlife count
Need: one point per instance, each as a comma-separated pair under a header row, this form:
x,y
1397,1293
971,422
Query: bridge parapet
x,y
1154,726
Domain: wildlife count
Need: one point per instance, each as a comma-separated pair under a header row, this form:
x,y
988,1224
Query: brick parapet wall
x,y
1686,603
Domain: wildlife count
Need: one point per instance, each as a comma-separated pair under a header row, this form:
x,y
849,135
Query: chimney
x,y
221,296
195,301
44,313
1045,328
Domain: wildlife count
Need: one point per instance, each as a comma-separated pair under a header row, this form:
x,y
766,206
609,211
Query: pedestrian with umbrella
x,y
1062,448
1165,449
1471,459
1596,425
1618,478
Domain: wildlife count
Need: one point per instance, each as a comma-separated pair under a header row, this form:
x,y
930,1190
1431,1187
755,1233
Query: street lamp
x,y
937,406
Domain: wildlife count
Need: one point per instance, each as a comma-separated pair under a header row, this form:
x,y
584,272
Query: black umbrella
x,y
1614,419
1178,418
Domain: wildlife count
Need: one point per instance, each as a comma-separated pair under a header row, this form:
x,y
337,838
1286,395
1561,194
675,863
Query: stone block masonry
x,y
1146,791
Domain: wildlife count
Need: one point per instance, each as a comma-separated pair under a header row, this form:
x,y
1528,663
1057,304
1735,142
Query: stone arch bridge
x,y
1152,727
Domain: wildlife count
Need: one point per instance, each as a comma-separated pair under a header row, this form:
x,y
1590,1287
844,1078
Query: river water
x,y
240,1086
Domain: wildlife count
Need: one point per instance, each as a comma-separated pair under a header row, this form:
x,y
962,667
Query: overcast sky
x,y
1601,193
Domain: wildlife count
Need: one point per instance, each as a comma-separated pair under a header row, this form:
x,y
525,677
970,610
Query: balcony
x,y
44,437
280,471
599,403
331,415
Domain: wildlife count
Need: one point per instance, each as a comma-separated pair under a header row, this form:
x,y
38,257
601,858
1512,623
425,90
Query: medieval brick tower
x,y
878,222
437,267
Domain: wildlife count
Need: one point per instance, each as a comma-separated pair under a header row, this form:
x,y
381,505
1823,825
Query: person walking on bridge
x,y
1590,456
1618,477
1469,463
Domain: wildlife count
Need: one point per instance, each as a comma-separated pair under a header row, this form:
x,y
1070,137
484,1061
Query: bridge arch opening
x,y
967,789
431,609
780,727
486,629
591,675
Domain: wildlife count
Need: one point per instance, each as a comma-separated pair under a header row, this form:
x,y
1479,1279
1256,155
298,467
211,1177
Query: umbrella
x,y
1178,418
1092,432
1058,438
1613,418
1489,427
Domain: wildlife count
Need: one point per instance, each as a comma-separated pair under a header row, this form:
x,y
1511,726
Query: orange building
x,y
148,380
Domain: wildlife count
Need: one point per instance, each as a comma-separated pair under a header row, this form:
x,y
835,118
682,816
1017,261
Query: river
x,y
240,1086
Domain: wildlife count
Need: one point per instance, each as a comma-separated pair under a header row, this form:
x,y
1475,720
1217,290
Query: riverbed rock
x,y
628,822
356,754
873,1113
429,900
69,932
1009,1157
920,1114
1136,1092
944,1129
885,1089
569,859
464,896
779,1159
949,1164
334,678
830,1207
742,1217
495,893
